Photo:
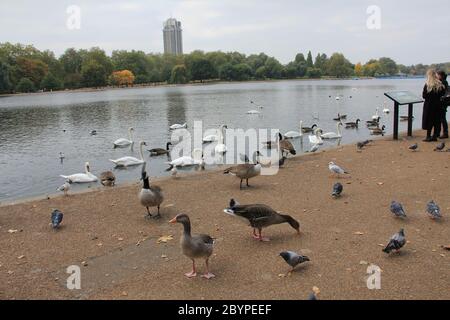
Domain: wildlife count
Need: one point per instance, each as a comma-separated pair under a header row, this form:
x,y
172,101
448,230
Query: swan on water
x,y
376,115
130,161
316,138
122,142
221,147
186,161
295,134
178,126
81,177
333,135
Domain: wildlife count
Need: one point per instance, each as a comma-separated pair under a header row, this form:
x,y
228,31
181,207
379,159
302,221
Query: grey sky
x,y
411,32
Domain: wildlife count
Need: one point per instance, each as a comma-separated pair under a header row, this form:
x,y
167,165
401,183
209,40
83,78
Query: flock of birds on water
x,y
258,216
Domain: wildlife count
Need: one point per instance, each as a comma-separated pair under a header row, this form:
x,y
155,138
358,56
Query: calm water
x,y
31,127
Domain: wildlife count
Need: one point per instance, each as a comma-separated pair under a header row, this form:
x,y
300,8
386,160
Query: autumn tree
x,y
122,78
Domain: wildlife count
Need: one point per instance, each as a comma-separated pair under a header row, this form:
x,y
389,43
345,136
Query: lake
x,y
34,129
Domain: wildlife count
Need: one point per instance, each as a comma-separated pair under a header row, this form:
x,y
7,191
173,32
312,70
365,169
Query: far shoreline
x,y
193,84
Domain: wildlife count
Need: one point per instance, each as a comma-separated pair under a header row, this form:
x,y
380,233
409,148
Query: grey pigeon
x,y
414,147
312,296
440,146
433,210
57,217
396,242
397,209
337,190
336,169
293,259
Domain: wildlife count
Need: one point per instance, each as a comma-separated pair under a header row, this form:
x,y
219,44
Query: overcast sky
x,y
412,31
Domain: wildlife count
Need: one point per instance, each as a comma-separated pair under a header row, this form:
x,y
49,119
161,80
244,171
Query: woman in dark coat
x,y
432,93
443,77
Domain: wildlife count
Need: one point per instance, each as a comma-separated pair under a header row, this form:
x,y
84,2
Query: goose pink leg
x,y
192,273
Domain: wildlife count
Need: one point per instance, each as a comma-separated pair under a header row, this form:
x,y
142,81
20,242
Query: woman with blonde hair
x,y
432,93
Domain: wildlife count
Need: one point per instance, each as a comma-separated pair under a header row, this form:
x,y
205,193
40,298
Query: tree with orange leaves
x,y
122,78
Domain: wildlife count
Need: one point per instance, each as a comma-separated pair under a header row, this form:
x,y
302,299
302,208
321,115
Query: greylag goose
x,y
245,171
197,246
260,216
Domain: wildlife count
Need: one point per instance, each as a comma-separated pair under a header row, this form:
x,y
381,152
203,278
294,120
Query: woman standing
x,y
432,93
443,78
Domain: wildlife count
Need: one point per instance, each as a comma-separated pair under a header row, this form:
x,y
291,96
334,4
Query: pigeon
x,y
397,241
57,217
414,147
433,210
64,188
440,146
397,209
337,190
336,169
293,259
312,296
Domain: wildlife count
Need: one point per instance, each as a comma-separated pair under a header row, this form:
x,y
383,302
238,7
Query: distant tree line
x,y
23,68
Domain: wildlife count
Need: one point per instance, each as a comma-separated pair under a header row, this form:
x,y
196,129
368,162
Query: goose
x,y
130,161
195,246
378,131
160,151
177,126
122,142
353,124
186,161
260,216
373,122
107,179
286,146
221,147
405,118
333,135
245,171
376,115
316,137
294,134
150,196
309,129
81,177
340,117
273,144
64,188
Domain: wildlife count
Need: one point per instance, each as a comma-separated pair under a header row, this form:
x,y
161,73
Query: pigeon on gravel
x,y
433,210
397,209
414,147
336,169
57,217
396,242
440,146
337,190
312,296
293,259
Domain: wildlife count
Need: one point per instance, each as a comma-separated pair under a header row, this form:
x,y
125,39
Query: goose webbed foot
x,y
208,275
191,274
156,217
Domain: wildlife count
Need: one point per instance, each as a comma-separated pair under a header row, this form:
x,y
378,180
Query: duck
x,y
316,138
150,196
340,117
177,126
294,134
130,161
333,135
122,142
245,171
187,161
160,151
81,177
107,179
260,216
378,131
221,148
195,246
352,125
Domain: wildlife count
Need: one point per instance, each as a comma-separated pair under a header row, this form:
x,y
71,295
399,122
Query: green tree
x,y
202,69
299,58
226,72
309,60
32,69
93,74
273,68
179,74
320,62
5,82
25,85
339,66
50,82
242,72
313,73
260,73
72,60
135,61
388,66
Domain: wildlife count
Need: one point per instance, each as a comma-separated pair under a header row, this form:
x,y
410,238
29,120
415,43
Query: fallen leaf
x,y
164,239
169,205
124,293
281,275
84,263
442,255
21,257
12,230
316,290
120,239
380,183
163,256
358,233
363,262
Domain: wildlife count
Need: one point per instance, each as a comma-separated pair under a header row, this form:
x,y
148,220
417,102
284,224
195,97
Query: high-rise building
x,y
173,41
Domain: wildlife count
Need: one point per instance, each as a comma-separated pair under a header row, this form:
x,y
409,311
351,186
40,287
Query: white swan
x,y
213,137
178,126
253,112
185,161
295,134
316,138
376,115
221,147
122,142
130,161
81,177
333,135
